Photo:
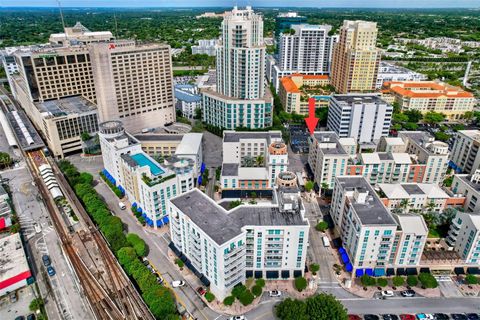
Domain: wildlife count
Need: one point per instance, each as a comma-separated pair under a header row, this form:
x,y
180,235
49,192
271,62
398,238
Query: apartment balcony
x,y
233,252
234,281
234,267
235,257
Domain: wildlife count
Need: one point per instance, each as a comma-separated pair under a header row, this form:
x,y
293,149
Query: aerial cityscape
x,y
239,162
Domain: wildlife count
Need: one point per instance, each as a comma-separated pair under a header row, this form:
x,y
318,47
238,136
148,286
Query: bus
x,y
326,242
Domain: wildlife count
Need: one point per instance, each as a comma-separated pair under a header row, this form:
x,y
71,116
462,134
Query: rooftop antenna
x,y
61,16
116,24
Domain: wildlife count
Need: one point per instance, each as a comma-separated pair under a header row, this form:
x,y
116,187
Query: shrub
x,y
321,226
300,283
238,290
179,263
228,301
398,281
471,279
367,281
256,290
314,268
382,282
246,297
427,280
138,244
209,296
412,281
260,282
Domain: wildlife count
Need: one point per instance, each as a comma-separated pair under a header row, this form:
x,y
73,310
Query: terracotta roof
x,y
433,89
289,85
318,77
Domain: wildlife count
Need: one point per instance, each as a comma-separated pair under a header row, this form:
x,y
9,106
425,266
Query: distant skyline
x,y
258,3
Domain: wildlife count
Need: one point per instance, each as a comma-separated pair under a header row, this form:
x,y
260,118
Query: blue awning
x,y
139,210
165,220
144,215
379,272
359,272
341,250
159,223
369,272
199,180
149,222
202,167
345,258
134,204
349,267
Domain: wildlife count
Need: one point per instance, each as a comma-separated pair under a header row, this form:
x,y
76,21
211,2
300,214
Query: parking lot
x,y
10,310
298,138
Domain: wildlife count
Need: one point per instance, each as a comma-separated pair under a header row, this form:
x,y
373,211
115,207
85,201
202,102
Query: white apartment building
x,y
409,241
327,157
227,247
391,144
464,236
465,152
241,98
191,147
364,117
207,47
469,187
365,226
252,161
384,167
429,157
187,99
147,184
413,197
390,72
308,49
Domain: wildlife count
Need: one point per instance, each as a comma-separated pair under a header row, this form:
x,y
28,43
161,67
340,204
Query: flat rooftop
x,y
358,98
26,134
222,225
143,160
159,137
412,223
330,143
372,212
190,145
66,106
233,136
13,261
230,169
420,138
466,179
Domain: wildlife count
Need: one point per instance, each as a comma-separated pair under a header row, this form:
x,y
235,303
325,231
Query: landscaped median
x,y
128,248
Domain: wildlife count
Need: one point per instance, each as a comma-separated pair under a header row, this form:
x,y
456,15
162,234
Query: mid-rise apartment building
x,y
147,184
251,162
204,46
241,98
308,48
409,241
294,92
187,99
284,21
227,247
389,72
464,236
468,186
366,118
426,96
133,83
391,144
465,152
355,58
382,167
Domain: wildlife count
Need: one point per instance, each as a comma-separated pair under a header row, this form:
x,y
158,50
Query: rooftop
x,y
191,144
230,169
26,133
372,212
186,96
473,134
407,190
65,106
329,143
159,137
234,136
467,179
426,89
358,98
222,225
421,139
142,160
411,223
13,261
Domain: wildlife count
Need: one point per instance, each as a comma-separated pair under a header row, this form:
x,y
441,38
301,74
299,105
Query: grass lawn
x,y
433,233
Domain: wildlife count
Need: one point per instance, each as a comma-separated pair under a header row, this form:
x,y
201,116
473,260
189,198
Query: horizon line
x,y
221,7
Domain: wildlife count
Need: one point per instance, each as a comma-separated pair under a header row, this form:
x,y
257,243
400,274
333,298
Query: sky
x,y
254,3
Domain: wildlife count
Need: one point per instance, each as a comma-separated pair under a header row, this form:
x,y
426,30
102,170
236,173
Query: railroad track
x,y
120,300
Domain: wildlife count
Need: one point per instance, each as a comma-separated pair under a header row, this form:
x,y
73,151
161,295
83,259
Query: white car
x,y
387,293
178,283
238,318
274,293
37,228
122,205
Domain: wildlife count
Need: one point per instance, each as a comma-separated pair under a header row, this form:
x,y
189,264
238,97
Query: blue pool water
x,y
142,161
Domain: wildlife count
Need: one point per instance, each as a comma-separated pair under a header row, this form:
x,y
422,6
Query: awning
x,y
390,272
379,272
369,272
134,205
199,180
412,271
202,167
165,220
473,270
159,223
401,272
139,210
459,270
424,270
341,250
359,272
348,267
345,258
3,223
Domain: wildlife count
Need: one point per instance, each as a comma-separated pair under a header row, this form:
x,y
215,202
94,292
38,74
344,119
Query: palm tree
x,y
324,187
259,160
431,206
404,204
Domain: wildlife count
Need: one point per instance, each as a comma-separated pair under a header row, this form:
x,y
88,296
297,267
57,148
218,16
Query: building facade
x,y
468,186
355,58
227,247
464,236
284,21
295,100
187,100
207,47
465,156
389,72
366,118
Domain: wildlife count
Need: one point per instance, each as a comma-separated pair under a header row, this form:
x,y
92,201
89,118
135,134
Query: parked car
x,y
46,260
441,316
178,283
13,297
387,293
389,317
371,317
20,318
37,228
473,316
31,316
425,316
458,316
238,318
408,293
407,316
354,317
159,280
122,205
51,271
201,290
274,293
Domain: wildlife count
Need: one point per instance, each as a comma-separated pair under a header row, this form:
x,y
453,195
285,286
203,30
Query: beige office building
x,y
133,84
356,59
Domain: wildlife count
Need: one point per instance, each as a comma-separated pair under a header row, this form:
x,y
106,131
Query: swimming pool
x,y
142,161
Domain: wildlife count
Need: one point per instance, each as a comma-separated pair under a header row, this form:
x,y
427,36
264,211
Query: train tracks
x,y
117,298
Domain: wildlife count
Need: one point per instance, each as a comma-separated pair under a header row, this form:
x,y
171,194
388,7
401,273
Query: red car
x,y
201,290
354,317
407,317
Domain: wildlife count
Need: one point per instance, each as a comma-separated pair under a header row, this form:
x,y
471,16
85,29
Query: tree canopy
x,y
319,307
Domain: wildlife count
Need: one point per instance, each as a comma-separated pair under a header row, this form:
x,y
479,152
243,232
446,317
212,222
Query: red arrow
x,y
311,120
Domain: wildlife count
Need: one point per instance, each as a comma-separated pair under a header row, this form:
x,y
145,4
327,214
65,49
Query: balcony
x,y
233,258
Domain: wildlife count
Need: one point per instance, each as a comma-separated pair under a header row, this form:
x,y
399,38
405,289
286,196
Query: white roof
x,y
407,190
394,191
475,217
347,141
394,141
253,173
433,191
402,158
14,260
370,158
412,223
190,145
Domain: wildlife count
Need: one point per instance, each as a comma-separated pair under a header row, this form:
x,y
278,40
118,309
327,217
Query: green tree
x,y
413,115
325,307
398,281
442,136
179,263
427,280
410,126
36,304
238,290
300,283
309,186
433,117
260,282
228,301
399,118
138,244
321,226
209,296
246,297
256,290
314,268
367,280
382,282
85,178
412,281
471,279
5,160
290,309
85,136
